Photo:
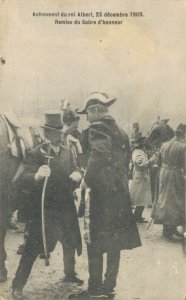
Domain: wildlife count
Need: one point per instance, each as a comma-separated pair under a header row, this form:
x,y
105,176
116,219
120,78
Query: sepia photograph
x,y
92,149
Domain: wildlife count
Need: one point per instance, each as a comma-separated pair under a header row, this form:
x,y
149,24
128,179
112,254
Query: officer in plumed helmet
x,y
109,222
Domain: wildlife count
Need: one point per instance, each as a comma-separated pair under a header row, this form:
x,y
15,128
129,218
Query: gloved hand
x,y
43,171
75,176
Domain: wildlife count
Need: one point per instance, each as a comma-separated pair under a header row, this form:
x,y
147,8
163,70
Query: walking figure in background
x,y
136,131
60,212
109,222
169,206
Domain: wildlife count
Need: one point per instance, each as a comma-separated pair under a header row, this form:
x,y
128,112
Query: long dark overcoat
x,y
110,220
169,207
60,210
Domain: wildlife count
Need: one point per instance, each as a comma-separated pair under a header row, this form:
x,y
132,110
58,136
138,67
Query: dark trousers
x,y
95,264
32,248
138,212
2,242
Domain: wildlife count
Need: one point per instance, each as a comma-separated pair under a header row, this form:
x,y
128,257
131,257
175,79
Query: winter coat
x,y
169,207
59,205
109,222
140,191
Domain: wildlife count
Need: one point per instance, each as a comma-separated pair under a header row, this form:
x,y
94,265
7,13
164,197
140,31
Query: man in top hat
x,y
109,223
61,221
169,206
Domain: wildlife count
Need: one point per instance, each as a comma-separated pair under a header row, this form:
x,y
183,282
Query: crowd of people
x,y
101,161
166,194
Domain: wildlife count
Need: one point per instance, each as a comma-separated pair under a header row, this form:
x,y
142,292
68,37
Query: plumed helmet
x,y
96,98
53,120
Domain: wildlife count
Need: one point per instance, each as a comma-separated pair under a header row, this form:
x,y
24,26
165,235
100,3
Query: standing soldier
x,y
169,207
109,223
60,213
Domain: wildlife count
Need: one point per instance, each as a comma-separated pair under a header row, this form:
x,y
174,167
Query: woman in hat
x,y
169,206
140,190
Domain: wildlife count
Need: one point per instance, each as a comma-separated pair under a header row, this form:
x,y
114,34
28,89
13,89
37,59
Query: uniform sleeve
x,y
73,165
83,157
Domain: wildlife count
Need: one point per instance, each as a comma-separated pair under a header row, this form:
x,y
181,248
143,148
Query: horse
x,y
17,136
159,133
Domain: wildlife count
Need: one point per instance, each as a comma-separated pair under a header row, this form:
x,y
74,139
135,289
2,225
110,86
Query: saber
x,y
151,221
43,216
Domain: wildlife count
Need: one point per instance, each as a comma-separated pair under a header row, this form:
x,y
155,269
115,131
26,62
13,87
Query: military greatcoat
x,y
110,222
169,208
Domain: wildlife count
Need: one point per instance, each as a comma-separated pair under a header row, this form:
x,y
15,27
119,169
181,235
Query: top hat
x,y
53,120
96,98
181,128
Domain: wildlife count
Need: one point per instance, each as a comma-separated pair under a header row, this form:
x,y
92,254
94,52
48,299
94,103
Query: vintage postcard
x,y
92,89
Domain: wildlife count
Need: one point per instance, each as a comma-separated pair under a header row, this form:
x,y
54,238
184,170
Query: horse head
x,y
160,132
